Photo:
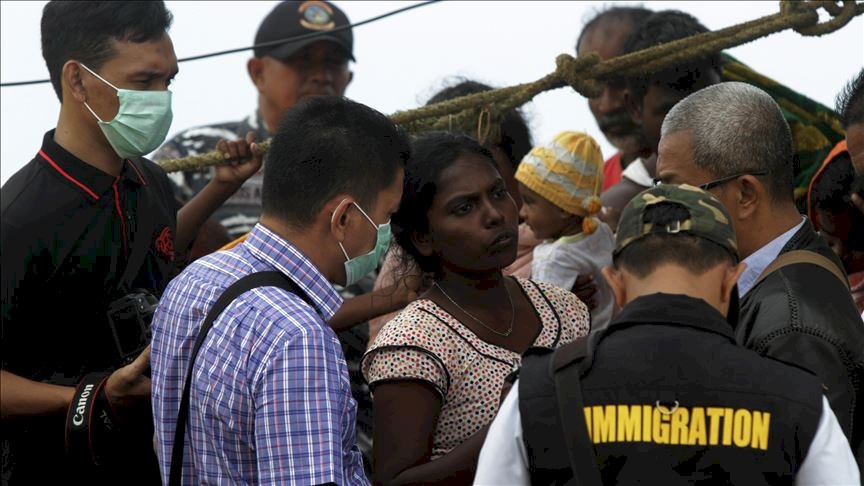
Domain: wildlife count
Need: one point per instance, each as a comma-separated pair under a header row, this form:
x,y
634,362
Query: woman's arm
x,y
405,414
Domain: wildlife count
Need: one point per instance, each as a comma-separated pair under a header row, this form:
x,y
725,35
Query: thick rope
x,y
587,74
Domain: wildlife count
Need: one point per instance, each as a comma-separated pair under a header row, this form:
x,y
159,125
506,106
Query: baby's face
x,y
544,218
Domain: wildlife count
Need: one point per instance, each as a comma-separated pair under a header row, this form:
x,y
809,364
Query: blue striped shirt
x,y
270,400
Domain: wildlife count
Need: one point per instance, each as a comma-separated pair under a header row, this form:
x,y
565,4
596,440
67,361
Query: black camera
x,y
129,318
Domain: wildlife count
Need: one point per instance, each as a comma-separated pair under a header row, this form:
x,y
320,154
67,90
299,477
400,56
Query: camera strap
x,y
89,420
244,284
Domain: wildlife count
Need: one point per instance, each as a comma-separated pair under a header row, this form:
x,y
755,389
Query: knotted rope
x,y
587,74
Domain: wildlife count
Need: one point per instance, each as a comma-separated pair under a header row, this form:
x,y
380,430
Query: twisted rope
x,y
587,74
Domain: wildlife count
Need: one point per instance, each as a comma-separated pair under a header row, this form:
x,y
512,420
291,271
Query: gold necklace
x,y
512,311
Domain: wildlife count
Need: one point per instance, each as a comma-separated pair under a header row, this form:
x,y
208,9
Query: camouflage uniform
x,y
240,213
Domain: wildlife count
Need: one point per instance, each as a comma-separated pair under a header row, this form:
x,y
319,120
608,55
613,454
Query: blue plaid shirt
x,y
270,399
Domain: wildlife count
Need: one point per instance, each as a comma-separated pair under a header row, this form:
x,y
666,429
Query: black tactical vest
x,y
669,398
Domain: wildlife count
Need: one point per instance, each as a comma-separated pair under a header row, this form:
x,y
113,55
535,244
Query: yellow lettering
x,y
742,435
761,423
660,430
588,421
684,426
604,424
714,413
697,427
727,426
679,426
629,423
646,423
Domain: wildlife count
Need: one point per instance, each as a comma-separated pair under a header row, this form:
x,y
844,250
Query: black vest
x,y
671,399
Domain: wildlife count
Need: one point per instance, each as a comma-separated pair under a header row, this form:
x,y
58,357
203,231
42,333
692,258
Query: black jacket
x,y
803,315
678,352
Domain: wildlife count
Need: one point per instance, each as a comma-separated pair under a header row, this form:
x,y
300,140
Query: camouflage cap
x,y
708,218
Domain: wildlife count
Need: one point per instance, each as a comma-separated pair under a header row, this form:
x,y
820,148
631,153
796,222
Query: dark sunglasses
x,y
722,180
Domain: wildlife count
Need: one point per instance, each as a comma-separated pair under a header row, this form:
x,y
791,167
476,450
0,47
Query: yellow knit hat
x,y
568,173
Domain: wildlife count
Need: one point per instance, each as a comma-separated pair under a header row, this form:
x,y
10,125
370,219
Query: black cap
x,y
292,19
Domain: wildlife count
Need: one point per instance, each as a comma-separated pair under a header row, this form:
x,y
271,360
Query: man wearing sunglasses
x,y
731,139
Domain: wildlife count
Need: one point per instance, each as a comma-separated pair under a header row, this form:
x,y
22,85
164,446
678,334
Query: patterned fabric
x,y
241,211
424,342
270,400
708,217
815,127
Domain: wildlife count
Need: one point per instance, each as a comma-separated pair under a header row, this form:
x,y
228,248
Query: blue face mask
x,y
141,123
357,267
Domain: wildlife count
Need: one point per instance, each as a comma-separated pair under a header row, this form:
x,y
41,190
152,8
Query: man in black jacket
x,y
731,139
669,398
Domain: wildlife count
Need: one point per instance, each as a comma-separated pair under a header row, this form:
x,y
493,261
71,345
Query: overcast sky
x,y
403,60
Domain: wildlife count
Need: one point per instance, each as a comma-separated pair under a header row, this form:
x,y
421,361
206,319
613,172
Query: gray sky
x,y
403,60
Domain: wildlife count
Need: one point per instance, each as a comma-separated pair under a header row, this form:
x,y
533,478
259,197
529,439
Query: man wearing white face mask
x,y
89,233
260,371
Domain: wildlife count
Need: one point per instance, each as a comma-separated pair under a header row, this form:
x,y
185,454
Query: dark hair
x,y
86,31
515,140
831,193
850,101
328,145
632,15
691,76
695,254
431,154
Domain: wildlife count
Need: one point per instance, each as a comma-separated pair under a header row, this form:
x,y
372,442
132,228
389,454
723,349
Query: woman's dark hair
x,y
515,140
86,31
431,154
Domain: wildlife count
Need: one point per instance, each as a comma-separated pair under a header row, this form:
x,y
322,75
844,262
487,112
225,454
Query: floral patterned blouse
x,y
424,342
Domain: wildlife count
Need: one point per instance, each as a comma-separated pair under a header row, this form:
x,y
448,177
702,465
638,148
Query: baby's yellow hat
x,y
567,172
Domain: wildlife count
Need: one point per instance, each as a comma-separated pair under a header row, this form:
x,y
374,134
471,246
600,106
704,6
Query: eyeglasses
x,y
722,180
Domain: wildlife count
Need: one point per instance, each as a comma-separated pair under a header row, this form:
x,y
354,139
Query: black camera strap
x,y
244,284
90,421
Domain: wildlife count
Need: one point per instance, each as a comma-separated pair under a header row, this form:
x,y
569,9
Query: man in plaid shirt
x,y
270,398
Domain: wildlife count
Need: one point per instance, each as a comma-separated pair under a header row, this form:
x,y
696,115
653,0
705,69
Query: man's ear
x,y
749,193
72,82
255,68
634,107
423,242
615,279
350,78
337,211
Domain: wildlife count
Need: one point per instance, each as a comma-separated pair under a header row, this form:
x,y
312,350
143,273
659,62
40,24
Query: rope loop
x,y
841,15
569,69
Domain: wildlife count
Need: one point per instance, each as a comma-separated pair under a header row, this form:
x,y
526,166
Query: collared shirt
x,y
270,399
761,258
504,457
68,231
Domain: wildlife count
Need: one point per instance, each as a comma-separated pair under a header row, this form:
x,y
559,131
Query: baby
x,y
560,185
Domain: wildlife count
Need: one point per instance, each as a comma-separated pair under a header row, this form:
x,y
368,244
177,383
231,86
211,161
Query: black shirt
x,y
68,230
